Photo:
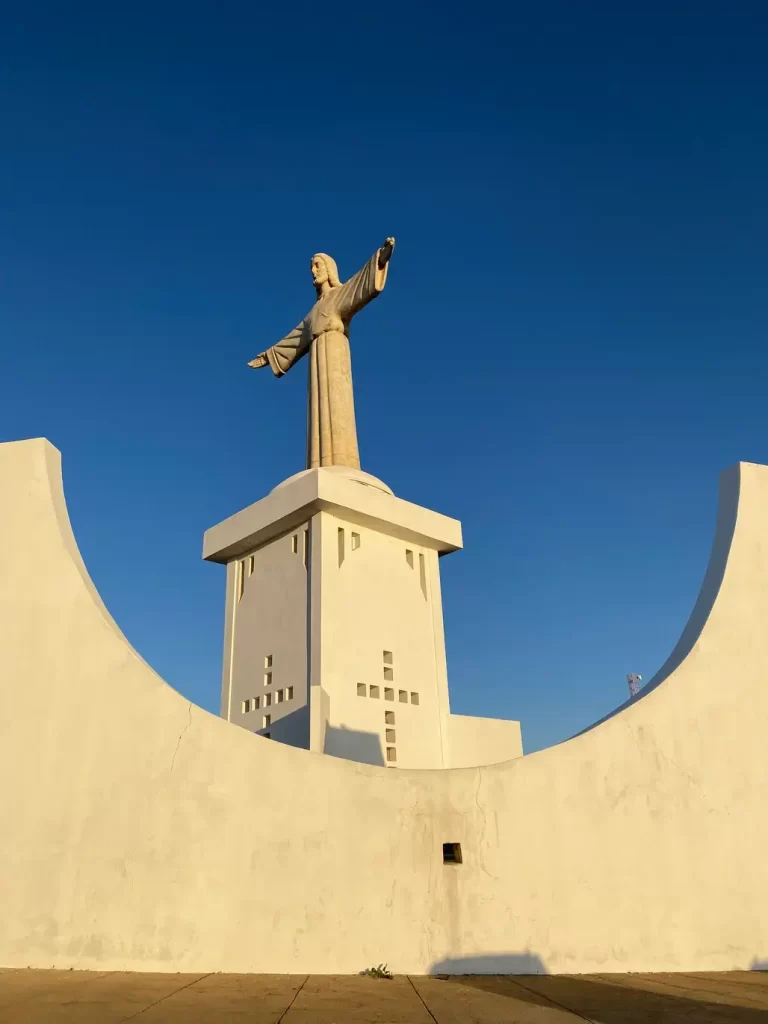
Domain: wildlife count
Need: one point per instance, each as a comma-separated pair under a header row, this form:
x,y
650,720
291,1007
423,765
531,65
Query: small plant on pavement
x,y
377,972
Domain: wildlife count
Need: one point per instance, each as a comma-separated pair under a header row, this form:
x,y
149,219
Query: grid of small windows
x,y
272,696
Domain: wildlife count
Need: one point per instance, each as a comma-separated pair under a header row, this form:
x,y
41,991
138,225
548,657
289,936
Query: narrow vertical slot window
x,y
341,546
409,557
267,700
240,580
295,543
423,575
305,554
355,541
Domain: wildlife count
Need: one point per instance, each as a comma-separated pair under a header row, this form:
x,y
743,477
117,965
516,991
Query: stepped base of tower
x,y
334,629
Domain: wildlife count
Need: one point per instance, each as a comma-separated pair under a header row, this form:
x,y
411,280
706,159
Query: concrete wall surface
x,y
134,835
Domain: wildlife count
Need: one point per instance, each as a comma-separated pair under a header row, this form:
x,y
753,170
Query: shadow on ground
x,y
740,996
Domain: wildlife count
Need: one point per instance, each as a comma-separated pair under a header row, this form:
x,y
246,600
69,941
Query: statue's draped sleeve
x,y
363,286
288,350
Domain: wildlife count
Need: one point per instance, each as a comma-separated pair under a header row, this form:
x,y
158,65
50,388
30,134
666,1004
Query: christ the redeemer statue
x,y
324,333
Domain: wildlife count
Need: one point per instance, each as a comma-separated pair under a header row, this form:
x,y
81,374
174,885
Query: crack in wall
x,y
178,741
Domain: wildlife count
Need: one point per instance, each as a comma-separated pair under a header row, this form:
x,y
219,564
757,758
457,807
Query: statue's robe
x,y
324,333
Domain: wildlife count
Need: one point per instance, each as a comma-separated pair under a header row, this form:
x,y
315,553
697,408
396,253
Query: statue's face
x,y
319,272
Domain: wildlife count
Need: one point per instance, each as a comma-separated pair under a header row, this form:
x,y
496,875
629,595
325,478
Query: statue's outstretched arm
x,y
366,284
285,353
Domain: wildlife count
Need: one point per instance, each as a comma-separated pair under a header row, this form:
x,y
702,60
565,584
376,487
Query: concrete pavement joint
x,y
295,997
554,1002
410,981
162,1000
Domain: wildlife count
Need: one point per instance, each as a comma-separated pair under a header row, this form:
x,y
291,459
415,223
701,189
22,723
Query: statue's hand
x,y
385,252
259,361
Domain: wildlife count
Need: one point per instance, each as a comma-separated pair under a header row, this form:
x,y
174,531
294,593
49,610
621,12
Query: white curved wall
x,y
137,831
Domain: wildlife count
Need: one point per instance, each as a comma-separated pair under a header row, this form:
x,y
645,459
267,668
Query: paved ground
x,y
91,997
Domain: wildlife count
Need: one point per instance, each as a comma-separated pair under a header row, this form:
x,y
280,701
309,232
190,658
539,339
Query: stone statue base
x,y
334,628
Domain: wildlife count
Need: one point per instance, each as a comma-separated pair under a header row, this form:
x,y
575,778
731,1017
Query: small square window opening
x,y
452,853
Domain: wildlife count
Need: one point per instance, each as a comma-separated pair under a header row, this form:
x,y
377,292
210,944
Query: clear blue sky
x,y
571,346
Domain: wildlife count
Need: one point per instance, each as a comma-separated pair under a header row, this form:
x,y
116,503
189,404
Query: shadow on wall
x,y
353,745
602,999
491,963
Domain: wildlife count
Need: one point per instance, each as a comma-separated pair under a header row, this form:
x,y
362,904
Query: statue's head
x,y
324,271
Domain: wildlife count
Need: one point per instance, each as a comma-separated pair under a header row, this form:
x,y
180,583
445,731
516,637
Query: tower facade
x,y
334,630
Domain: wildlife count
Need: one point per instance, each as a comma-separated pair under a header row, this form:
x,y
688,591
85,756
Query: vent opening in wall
x,y
452,853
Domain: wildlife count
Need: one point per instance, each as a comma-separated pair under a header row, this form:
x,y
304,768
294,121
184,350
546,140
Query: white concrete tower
x,y
334,627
